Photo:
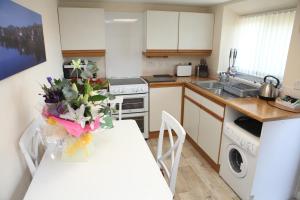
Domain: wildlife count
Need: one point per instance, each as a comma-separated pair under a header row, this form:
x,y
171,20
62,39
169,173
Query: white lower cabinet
x,y
164,98
209,135
191,119
203,128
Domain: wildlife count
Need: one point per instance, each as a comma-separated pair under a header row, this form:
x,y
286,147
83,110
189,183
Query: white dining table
x,y
121,167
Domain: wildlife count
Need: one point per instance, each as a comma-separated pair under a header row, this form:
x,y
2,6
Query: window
x,y
263,41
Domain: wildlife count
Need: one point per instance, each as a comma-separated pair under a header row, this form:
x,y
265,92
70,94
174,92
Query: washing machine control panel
x,y
242,138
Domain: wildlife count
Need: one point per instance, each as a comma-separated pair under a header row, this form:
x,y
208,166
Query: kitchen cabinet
x,y
191,119
203,120
161,30
195,31
164,98
178,34
82,29
209,135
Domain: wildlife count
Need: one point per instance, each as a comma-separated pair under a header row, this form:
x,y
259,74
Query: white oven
x,y
135,100
133,103
135,107
141,120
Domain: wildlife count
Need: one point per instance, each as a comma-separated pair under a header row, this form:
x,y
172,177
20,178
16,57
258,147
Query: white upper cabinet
x,y
179,30
195,31
82,28
162,30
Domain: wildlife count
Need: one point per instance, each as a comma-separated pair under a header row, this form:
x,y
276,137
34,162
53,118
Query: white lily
x,y
76,115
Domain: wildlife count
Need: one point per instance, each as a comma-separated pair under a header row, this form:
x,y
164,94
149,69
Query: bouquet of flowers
x,y
75,108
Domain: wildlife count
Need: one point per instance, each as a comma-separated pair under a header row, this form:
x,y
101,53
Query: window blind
x,y
263,41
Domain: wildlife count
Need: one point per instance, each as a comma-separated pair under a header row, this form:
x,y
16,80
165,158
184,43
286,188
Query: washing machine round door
x,y
237,161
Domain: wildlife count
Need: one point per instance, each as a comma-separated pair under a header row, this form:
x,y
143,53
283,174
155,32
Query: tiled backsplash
x,y
150,66
165,65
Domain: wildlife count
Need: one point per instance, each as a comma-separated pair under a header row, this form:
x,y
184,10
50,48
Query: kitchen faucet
x,y
231,68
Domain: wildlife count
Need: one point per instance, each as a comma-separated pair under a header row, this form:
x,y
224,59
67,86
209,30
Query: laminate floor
x,y
196,180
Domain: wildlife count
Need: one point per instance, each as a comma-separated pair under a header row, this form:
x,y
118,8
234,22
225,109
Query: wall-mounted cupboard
x,y
82,31
162,30
178,33
195,31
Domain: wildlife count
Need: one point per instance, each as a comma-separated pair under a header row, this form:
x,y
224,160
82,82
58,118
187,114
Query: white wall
x,y
227,38
292,69
224,31
213,60
19,95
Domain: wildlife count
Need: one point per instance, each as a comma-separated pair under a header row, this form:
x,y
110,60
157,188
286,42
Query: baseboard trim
x,y
155,134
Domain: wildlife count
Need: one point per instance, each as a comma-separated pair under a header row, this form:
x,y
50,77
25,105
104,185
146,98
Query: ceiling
x,y
178,2
255,6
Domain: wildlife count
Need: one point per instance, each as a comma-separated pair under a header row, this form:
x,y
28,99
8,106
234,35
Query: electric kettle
x,y
268,90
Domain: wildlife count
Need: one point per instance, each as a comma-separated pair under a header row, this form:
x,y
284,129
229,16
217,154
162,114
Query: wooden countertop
x,y
180,81
252,107
260,109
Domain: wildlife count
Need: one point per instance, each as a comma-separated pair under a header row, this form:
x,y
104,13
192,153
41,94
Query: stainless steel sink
x,y
222,93
209,84
215,87
230,89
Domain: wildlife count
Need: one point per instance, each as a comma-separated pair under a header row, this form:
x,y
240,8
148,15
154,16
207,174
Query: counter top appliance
x,y
184,70
268,90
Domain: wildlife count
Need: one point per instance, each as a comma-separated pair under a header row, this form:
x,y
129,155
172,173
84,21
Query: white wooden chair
x,y
114,102
30,143
170,123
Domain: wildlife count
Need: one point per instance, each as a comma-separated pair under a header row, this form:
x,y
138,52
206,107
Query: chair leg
x,y
162,172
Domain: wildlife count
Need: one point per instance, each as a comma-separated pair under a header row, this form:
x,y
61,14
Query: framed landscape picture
x,y
21,39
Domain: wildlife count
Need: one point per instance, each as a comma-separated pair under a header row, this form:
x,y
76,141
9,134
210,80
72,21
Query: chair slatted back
x,y
118,100
169,123
30,142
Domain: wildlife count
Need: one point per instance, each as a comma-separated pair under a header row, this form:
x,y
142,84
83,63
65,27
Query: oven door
x,y
133,103
141,120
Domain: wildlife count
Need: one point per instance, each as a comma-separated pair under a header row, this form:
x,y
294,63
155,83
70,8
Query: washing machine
x,y
239,150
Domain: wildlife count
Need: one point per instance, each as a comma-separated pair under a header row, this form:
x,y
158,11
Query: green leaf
x,y
98,86
86,98
69,93
74,87
87,88
87,112
97,98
